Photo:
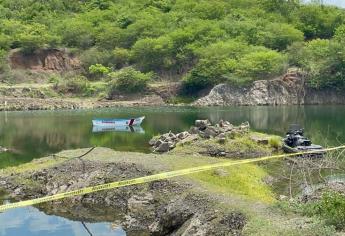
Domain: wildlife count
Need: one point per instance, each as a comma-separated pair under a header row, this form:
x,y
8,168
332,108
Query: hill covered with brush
x,y
199,42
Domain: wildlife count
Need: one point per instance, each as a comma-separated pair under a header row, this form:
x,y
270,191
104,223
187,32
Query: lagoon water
x,y
35,134
31,222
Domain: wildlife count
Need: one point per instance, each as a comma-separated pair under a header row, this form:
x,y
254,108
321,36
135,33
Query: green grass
x,y
37,164
243,180
242,145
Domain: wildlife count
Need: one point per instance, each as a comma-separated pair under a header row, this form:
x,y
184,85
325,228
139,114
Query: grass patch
x,y
244,180
239,146
37,164
275,142
329,210
245,144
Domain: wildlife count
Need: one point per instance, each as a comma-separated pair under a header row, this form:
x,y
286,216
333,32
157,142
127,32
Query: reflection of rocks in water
x,y
157,208
276,119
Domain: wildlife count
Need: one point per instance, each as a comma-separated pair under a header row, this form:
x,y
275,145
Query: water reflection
x,y
35,134
131,129
30,222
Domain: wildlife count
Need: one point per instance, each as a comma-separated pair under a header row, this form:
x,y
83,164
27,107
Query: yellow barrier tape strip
x,y
150,178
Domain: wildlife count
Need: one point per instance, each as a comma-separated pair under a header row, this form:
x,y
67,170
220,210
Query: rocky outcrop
x,y
262,92
203,129
270,92
44,60
324,97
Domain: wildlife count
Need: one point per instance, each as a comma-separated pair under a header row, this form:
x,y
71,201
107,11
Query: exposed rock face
x,y
325,96
262,92
44,60
270,92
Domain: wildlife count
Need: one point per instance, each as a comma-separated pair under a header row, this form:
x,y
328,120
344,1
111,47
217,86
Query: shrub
x,y
153,54
280,36
340,33
54,79
98,70
35,36
5,42
3,63
261,64
76,33
331,208
76,85
120,57
235,62
324,62
275,142
94,56
208,73
128,80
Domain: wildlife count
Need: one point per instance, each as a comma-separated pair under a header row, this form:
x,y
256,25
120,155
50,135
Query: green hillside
x,y
200,42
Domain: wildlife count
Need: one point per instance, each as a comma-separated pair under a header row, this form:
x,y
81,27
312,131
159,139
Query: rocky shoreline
x,y
25,104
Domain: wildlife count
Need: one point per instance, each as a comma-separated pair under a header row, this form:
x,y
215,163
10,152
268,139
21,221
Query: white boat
x,y
118,122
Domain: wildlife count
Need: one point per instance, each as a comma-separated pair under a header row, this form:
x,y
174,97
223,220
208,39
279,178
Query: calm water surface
x,y
31,222
35,134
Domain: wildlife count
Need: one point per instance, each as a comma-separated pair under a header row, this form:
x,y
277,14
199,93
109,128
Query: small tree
x,y
98,70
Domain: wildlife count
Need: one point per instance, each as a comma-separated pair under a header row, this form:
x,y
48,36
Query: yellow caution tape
x,y
150,178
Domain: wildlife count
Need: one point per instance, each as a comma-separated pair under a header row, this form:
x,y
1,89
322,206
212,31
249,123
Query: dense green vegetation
x,y
201,42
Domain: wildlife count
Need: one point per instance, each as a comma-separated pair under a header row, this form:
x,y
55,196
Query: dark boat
x,y
295,142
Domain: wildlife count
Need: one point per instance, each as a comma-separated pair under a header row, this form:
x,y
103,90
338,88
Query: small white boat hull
x,y
117,122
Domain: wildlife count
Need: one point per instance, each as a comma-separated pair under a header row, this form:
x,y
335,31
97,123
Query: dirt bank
x,y
56,60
